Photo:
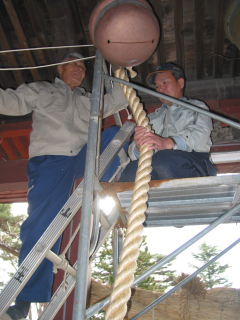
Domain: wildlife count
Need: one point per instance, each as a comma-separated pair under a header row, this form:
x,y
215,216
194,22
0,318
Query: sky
x,y
165,240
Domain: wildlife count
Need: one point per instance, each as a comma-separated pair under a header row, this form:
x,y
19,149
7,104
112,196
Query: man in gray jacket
x,y
57,152
180,137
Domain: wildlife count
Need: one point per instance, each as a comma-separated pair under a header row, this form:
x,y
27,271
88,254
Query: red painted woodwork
x,y
13,181
14,142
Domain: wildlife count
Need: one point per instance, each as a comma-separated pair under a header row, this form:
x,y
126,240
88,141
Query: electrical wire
x,y
220,55
44,66
44,48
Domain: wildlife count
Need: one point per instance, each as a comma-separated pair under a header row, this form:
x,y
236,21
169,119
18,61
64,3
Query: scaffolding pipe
x,y
83,248
60,263
179,285
176,101
115,252
95,228
120,242
97,307
96,210
108,87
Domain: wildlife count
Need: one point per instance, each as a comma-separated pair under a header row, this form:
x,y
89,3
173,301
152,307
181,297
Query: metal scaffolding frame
x,y
86,193
79,311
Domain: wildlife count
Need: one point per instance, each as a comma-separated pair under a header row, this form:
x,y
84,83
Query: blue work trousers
x,y
50,182
174,164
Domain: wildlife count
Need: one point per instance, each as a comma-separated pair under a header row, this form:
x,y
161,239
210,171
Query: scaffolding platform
x,y
192,201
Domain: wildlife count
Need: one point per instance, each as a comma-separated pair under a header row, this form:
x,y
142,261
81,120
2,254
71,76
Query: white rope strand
x,y
44,66
45,48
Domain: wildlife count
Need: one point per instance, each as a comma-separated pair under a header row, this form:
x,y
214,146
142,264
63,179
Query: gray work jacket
x,y
190,129
60,115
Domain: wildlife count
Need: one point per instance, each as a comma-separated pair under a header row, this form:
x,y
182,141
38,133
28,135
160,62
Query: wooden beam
x,y
5,80
15,129
62,28
21,146
178,22
13,173
115,187
77,21
189,39
157,5
10,56
235,63
212,89
144,72
41,33
9,149
199,42
14,196
21,37
83,39
14,133
15,139
219,39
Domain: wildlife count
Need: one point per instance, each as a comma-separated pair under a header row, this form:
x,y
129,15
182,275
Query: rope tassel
x,y
122,285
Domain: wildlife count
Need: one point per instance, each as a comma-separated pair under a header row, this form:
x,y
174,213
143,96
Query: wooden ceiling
x,y
192,35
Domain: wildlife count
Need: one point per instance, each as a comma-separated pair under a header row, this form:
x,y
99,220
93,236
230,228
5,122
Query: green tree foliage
x,y
213,274
102,267
10,243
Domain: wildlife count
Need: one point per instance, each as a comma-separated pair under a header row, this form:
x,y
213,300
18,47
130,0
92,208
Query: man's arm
x,y
114,101
154,141
18,102
193,135
141,137
197,129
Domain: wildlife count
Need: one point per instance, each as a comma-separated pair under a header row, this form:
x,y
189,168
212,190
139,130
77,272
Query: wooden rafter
x,y
41,33
21,37
219,39
62,27
161,49
178,21
6,46
199,43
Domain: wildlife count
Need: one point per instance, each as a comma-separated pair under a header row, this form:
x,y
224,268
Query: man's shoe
x,y
17,312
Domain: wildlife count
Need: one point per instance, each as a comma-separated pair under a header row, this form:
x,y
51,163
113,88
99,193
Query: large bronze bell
x,y
126,32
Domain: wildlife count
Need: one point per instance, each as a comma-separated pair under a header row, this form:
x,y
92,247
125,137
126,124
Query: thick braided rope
x,y
125,273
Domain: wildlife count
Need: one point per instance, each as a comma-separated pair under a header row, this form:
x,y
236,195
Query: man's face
x,y
72,73
165,83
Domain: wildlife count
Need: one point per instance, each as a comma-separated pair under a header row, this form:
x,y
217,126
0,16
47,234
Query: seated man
x,y
180,136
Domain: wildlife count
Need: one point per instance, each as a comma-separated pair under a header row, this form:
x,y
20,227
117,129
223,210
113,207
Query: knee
x,y
162,163
162,158
129,173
